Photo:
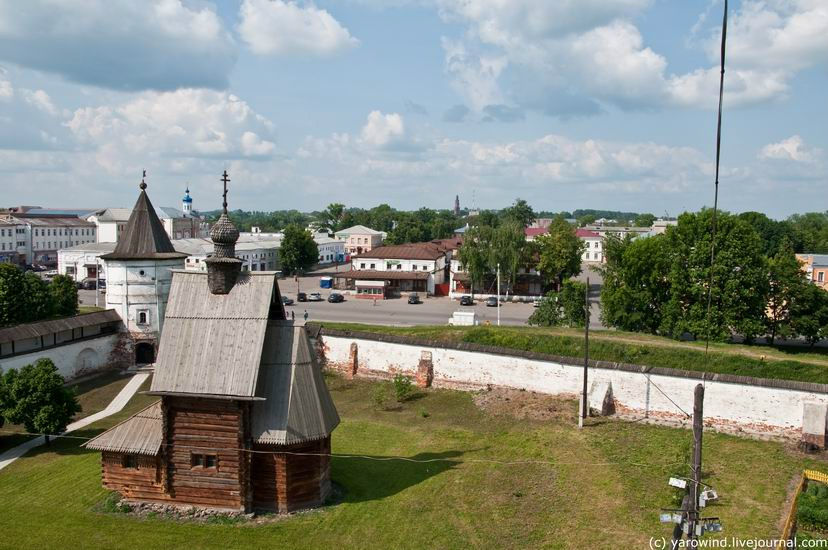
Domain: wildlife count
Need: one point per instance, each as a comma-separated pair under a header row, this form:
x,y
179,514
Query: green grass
x,y
88,309
601,487
640,349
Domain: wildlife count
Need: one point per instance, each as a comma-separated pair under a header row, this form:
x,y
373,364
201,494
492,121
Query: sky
x,y
605,104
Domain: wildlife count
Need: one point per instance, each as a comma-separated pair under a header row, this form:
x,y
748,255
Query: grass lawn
x,y
94,394
625,347
601,487
89,309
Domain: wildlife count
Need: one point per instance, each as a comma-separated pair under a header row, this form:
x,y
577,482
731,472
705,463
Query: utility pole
x,y
97,281
584,406
698,430
498,294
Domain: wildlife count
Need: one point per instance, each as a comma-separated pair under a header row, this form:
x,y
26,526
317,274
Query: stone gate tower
x,y
139,275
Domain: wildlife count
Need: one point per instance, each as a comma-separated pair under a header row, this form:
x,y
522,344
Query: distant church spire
x,y
456,205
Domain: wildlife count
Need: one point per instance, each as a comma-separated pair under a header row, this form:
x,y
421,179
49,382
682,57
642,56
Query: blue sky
x,y
567,104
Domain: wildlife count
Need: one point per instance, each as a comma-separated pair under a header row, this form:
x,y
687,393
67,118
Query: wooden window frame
x,y
129,462
201,461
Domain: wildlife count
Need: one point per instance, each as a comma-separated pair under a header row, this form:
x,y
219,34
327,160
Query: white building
x,y
12,242
38,239
139,276
256,255
330,250
594,249
110,222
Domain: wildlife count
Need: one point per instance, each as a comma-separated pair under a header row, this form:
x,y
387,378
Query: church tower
x,y
187,202
139,275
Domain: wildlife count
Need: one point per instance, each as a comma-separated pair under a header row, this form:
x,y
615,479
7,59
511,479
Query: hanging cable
x,y
716,186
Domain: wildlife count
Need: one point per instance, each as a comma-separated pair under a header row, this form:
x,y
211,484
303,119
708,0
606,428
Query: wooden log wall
x,y
209,427
140,483
287,482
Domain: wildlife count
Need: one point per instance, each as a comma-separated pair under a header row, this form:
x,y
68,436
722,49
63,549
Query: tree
x,y
810,232
785,281
644,220
509,250
809,313
475,253
520,212
12,295
564,308
39,302
636,282
559,252
740,278
330,218
298,250
772,233
36,397
64,295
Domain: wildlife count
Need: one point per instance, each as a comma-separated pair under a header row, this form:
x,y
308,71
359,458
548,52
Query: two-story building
x,y
43,236
330,250
815,267
391,270
11,244
110,223
594,247
360,239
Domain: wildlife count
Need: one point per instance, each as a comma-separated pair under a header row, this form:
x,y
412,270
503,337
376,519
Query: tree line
x,y
26,298
661,284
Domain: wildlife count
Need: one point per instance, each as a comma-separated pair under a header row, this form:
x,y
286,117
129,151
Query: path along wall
x,y
760,407
72,359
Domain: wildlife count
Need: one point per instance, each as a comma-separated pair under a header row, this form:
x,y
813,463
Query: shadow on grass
x,y
378,477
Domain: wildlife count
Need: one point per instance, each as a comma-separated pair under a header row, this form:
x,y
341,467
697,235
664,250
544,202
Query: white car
x,y
315,297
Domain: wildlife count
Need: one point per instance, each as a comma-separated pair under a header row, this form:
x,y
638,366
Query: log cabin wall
x,y
210,428
288,482
136,477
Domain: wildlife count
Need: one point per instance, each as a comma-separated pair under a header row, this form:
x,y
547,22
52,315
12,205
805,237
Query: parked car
x,y
86,284
536,302
335,298
466,300
102,284
491,301
314,297
287,301
301,297
51,273
414,298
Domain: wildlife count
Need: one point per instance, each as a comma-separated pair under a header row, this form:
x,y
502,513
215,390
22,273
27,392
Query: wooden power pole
x,y
584,405
698,430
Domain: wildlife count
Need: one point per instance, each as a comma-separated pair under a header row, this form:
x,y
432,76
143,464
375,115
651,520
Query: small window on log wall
x,y
129,461
203,461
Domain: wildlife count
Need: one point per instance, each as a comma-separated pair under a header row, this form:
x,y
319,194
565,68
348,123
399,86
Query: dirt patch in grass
x,y
525,405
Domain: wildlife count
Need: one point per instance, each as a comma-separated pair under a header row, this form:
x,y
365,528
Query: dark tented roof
x,y
138,434
42,328
144,237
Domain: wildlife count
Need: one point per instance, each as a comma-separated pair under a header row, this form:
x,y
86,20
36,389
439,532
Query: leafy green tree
x,y
520,213
785,281
36,397
636,282
772,233
509,250
330,218
64,295
564,308
475,253
740,278
12,295
559,253
644,220
298,250
810,232
809,313
39,301
586,219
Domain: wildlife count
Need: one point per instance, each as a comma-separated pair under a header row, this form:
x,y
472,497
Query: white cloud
x,y
792,149
124,45
40,100
283,27
180,124
380,129
6,90
584,54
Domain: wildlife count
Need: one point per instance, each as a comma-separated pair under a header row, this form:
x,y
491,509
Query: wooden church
x,y
244,419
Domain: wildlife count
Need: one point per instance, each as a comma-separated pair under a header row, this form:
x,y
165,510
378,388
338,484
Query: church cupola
x,y
187,202
223,267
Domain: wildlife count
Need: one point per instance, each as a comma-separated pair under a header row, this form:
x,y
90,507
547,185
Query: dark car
x,y
491,301
101,284
287,301
301,297
335,298
414,298
466,300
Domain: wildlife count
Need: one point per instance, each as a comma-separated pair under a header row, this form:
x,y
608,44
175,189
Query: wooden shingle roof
x,y
138,434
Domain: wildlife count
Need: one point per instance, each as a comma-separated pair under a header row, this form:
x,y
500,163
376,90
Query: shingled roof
x,y
139,434
144,237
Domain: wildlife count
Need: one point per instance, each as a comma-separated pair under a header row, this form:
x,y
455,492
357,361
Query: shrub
x,y
403,388
380,395
64,295
812,508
